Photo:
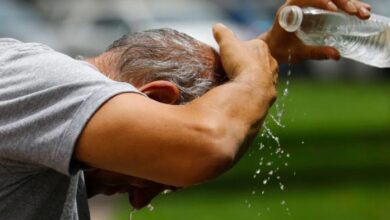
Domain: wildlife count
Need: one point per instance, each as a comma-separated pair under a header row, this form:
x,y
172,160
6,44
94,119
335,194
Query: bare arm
x,y
282,43
184,145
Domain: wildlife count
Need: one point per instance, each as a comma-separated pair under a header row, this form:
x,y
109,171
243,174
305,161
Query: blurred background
x,y
333,161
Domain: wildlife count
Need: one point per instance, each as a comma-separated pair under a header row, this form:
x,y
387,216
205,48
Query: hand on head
x,y
282,43
244,57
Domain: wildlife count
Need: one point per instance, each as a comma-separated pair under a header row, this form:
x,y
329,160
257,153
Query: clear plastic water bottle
x,y
366,41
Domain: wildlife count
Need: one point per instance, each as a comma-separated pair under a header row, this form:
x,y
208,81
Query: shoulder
x,y
39,63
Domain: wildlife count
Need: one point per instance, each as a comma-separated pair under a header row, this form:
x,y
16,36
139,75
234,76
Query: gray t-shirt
x,y
46,99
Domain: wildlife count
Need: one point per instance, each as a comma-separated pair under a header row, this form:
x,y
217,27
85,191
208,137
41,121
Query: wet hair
x,y
166,54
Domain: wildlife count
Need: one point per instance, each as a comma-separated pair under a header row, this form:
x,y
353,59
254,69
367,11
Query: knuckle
x,y
272,94
263,45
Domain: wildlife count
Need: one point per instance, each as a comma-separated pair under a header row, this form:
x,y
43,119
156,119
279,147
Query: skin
x,y
187,145
140,191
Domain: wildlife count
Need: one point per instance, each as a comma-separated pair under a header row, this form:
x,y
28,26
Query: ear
x,y
161,91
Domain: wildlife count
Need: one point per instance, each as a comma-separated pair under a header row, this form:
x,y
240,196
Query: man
x,y
60,116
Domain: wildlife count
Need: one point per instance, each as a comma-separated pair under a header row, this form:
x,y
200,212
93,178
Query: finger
x,y
354,7
367,6
223,33
364,13
364,10
347,6
323,4
322,53
140,183
141,197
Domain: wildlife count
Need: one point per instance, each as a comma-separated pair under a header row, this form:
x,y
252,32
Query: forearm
x,y
236,108
174,145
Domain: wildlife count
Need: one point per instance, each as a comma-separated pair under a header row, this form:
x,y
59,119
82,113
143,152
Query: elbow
x,y
210,167
215,155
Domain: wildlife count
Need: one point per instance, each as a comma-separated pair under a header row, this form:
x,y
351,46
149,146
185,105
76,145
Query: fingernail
x,y
364,12
332,6
367,6
336,55
350,7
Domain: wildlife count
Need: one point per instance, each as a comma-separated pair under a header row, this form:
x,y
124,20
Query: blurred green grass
x,y
336,203
338,136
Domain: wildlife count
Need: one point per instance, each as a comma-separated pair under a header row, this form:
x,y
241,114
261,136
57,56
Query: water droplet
x,y
302,142
262,192
278,177
283,202
261,146
258,171
269,163
281,186
253,192
285,92
269,132
167,191
132,213
277,121
150,207
271,172
265,181
288,155
286,164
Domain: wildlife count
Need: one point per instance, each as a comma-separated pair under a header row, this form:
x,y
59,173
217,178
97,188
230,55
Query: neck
x,y
99,64
91,60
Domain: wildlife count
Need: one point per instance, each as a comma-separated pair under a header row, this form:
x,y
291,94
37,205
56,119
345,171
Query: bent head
x,y
163,59
169,67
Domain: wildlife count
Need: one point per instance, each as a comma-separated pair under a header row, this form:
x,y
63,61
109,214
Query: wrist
x,y
255,83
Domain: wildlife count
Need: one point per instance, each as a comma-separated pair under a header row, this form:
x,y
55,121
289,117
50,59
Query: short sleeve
x,y
46,99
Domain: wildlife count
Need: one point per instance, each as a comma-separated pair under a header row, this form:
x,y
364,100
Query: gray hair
x,y
166,54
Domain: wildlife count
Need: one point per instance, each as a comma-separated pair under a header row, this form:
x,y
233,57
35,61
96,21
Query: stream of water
x,y
272,155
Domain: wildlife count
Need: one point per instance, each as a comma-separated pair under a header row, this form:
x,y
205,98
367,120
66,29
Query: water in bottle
x,y
366,41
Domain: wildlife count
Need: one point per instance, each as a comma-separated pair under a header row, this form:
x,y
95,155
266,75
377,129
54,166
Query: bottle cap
x,y
290,18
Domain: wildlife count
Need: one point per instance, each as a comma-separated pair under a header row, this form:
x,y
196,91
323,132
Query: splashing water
x,y
281,186
132,213
150,207
270,134
271,148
